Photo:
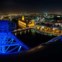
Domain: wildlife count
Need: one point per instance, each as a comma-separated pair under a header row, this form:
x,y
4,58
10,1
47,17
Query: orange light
x,y
23,18
22,24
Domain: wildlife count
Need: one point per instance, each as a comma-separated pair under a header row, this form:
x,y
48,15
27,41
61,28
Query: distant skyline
x,y
30,5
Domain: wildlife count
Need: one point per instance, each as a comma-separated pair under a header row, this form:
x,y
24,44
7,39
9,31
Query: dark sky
x,y
30,5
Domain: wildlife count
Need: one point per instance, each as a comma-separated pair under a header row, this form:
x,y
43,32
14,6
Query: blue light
x,y
6,25
54,39
8,42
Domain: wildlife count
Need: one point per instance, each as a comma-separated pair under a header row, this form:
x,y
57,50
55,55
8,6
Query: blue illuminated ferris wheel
x,y
8,42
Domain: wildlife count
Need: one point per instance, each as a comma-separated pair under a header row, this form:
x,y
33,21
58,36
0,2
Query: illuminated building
x,y
26,23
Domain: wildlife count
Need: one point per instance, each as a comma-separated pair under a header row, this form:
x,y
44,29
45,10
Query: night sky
x,y
30,5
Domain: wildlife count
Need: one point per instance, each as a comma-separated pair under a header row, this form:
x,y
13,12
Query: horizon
x,y
30,5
